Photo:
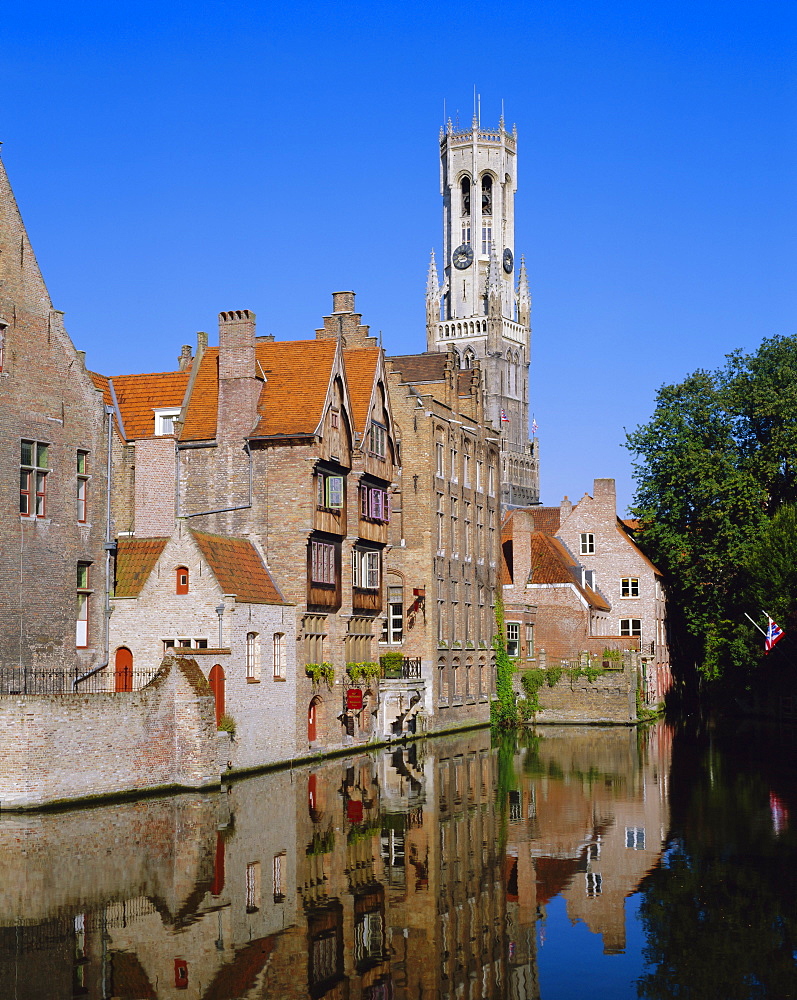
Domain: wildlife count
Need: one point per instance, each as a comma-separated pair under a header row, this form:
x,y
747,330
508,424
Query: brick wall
x,y
70,746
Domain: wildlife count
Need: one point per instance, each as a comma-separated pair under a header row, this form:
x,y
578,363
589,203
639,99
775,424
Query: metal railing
x,y
58,680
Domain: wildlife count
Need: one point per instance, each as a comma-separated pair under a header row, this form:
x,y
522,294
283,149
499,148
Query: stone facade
x,y
477,312
442,565
245,649
75,745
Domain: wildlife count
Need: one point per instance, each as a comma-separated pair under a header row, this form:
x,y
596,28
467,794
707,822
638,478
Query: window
x,y
33,470
253,887
513,638
631,626
479,475
83,597
280,657
629,587
330,491
374,503
465,188
454,526
334,419
594,883
466,466
164,421
2,344
454,470
441,543
491,480
279,885
252,656
322,562
82,485
377,435
487,236
530,641
184,642
181,586
365,569
393,628
467,531
439,460
587,543
635,838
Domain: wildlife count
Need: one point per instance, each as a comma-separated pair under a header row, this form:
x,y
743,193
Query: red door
x,y
216,680
311,722
123,672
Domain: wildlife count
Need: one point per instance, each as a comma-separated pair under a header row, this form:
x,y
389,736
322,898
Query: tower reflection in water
x,y
421,871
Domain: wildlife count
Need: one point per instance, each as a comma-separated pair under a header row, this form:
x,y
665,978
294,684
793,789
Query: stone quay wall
x,y
61,747
609,698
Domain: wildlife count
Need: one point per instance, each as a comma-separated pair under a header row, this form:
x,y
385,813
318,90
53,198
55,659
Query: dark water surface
x,y
574,863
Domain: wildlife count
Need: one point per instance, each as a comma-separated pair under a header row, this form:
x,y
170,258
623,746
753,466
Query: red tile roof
x,y
135,560
552,563
297,375
139,395
429,367
237,566
547,519
361,363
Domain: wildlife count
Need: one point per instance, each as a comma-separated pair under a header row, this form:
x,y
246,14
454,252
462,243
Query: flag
x,y
774,634
533,426
504,417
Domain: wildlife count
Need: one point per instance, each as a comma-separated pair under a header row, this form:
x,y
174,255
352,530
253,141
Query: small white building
x,y
212,595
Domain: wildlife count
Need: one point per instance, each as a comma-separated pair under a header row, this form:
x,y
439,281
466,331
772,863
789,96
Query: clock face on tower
x,y
462,257
508,260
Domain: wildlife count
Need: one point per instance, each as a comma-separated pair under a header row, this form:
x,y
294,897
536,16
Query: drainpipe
x,y
109,546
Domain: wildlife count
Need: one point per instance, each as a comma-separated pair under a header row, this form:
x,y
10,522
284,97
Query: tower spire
x,y
433,293
493,285
523,295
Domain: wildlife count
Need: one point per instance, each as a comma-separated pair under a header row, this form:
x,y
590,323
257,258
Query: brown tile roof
x,y
238,568
297,374
547,519
552,563
429,367
135,559
139,395
361,365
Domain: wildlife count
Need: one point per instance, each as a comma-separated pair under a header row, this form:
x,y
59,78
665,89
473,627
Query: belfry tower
x,y
479,310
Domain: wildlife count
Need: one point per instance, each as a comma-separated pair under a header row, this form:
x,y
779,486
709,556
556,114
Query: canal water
x,y
570,863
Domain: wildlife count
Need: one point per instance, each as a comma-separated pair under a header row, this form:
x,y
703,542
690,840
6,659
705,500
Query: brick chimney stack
x,y
239,388
345,322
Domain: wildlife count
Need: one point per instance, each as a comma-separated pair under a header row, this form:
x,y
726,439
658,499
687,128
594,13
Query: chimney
x,y
201,342
236,344
239,389
522,527
185,359
565,510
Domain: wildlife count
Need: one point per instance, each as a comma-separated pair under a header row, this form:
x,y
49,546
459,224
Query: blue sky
x,y
172,160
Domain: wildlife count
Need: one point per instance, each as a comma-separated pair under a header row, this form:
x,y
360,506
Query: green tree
x,y
713,466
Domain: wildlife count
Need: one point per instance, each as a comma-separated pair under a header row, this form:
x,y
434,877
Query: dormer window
x,y
164,421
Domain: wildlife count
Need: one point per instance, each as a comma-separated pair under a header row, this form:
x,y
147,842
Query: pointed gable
x,y
238,568
361,369
22,286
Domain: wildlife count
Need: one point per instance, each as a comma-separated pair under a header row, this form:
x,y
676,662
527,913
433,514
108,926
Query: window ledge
x,y
252,680
280,680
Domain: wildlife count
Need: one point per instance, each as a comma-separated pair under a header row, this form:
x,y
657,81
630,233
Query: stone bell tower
x,y
479,310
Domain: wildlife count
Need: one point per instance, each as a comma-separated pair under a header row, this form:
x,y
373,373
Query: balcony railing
x,y
409,669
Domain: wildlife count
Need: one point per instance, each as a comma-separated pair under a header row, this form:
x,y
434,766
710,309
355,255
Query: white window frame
x,y
587,543
164,420
393,628
280,656
365,569
377,440
629,586
513,639
628,628
252,656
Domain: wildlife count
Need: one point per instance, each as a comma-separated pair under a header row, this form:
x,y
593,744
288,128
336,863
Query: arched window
x,y
487,195
465,189
280,657
252,657
182,579
216,681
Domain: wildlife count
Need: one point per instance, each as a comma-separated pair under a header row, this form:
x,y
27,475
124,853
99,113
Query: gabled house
x,y
53,458
589,581
211,597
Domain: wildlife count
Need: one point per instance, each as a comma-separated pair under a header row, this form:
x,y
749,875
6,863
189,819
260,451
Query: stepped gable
x,y
296,377
135,560
22,286
361,364
238,568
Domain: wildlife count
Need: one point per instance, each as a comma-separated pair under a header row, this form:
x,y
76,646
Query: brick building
x,y
577,571
53,434
442,565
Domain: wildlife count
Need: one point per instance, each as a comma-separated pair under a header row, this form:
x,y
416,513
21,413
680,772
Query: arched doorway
x,y
123,670
312,720
216,681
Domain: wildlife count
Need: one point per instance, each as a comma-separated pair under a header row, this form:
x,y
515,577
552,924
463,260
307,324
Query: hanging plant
x,y
318,672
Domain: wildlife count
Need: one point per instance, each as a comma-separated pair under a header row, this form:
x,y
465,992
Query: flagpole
x,y
756,625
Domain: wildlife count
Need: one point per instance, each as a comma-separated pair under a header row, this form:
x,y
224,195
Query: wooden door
x,y
123,670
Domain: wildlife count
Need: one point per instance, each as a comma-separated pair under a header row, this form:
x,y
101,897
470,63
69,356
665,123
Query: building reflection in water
x,y
417,872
